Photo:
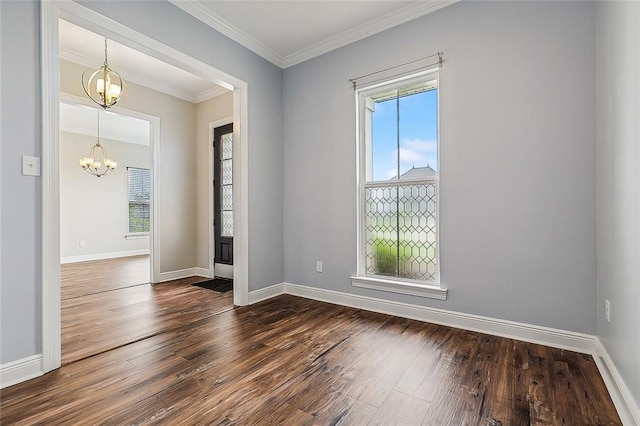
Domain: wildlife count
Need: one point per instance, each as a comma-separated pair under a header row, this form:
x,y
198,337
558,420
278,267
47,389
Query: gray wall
x,y
20,304
21,134
517,210
618,188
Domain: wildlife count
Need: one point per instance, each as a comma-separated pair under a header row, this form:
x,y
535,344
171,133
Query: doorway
x,y
80,15
223,200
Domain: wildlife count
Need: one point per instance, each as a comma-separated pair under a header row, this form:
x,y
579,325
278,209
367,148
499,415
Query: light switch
x,y
30,166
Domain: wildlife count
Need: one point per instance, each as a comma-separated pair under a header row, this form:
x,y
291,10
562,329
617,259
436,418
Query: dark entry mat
x,y
220,285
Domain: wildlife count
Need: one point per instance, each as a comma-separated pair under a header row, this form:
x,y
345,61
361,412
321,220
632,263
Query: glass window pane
x,y
226,197
417,231
381,231
139,196
384,140
227,224
227,146
227,172
419,135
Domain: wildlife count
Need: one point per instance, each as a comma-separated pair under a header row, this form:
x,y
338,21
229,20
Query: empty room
x,y
320,212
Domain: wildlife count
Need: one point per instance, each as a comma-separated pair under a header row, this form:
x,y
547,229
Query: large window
x,y
139,183
399,182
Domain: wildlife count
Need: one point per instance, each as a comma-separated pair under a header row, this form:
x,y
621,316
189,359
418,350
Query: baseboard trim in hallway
x,y
20,370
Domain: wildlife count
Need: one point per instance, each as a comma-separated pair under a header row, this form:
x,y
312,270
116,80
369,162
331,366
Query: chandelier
x,y
97,163
104,86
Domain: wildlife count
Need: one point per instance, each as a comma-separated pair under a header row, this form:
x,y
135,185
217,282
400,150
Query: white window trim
x,y
136,235
400,286
434,290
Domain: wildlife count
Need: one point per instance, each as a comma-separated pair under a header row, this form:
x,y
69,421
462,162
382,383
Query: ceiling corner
x,y
203,14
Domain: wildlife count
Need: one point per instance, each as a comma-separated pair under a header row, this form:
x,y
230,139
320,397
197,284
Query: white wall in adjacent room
x,y
177,172
96,210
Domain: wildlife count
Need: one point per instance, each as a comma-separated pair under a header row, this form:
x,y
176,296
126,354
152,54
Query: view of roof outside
x,y
418,137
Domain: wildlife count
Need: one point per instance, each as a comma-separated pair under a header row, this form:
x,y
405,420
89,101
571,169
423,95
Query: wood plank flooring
x,y
97,276
294,361
109,303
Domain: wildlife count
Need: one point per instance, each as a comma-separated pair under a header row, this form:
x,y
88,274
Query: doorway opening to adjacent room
x,y
161,255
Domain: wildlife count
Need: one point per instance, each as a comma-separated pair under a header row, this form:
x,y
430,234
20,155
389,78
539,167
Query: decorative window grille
x,y
139,184
400,181
226,185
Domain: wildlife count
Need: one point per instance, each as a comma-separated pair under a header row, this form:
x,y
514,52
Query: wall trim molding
x,y
202,272
100,256
628,409
557,338
21,370
399,16
267,293
179,274
205,15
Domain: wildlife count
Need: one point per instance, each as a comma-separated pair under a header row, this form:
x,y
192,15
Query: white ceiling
x,y
87,48
289,32
83,120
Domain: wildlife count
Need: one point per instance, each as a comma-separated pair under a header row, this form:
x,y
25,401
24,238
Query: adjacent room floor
x,y
110,303
290,360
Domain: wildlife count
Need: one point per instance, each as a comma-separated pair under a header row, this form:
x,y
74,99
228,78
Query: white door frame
x,y
51,12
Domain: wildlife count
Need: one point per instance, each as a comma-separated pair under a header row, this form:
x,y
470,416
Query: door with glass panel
x,y
223,196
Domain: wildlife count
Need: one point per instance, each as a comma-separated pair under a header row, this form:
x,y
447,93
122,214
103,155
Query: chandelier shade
x,y
98,163
104,86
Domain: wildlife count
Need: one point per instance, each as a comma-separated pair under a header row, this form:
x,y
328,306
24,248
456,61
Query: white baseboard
x,y
101,256
623,400
180,273
20,370
224,271
266,293
202,272
556,338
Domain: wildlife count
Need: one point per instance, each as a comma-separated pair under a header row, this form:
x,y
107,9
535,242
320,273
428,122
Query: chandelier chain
x,y
106,62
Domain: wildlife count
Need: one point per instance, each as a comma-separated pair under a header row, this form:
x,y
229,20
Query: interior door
x,y
223,194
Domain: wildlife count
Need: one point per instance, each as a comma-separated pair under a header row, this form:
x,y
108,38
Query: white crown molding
x,y
149,83
400,16
203,14
210,93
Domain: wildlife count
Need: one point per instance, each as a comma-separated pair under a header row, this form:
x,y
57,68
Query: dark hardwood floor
x,y
110,303
97,276
294,361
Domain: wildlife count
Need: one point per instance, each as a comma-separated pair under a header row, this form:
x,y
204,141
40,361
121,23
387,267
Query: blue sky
x,y
418,134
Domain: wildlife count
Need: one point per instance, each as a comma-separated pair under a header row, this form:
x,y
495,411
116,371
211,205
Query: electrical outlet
x,y
82,243
607,310
318,266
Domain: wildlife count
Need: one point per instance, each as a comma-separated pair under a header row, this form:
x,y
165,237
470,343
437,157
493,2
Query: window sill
x,y
402,287
137,236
